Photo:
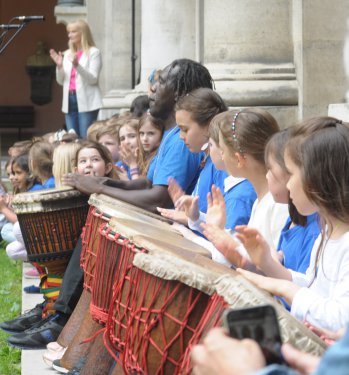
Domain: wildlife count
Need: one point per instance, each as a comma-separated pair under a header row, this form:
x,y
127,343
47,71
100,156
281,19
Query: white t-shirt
x,y
269,218
325,303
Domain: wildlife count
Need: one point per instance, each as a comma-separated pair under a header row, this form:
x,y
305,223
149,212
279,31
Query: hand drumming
x,y
85,184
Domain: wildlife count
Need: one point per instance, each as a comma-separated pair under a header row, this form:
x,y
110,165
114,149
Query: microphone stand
x,y
2,48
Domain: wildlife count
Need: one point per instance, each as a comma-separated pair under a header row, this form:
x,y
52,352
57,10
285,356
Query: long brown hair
x,y
313,147
41,160
146,158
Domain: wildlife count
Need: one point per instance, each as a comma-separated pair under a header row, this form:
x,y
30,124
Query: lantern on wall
x,y
41,70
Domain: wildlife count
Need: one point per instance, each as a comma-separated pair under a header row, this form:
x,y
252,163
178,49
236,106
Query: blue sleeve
x,y
238,212
175,160
151,168
36,187
50,183
239,201
275,370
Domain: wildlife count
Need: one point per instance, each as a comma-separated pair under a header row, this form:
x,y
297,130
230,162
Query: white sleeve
x,y
330,312
60,75
91,74
195,225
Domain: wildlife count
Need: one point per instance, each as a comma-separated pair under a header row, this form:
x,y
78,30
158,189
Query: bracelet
x,y
134,170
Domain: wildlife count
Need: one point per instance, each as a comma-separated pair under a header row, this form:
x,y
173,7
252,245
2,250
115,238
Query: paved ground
x,y
32,362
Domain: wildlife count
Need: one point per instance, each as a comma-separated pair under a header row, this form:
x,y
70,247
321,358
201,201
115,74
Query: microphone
x,y
30,18
8,27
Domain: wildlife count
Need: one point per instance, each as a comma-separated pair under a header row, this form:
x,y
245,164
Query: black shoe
x,y
24,321
79,366
39,335
56,365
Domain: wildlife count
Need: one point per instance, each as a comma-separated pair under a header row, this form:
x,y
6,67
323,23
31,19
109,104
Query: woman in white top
x,y
78,70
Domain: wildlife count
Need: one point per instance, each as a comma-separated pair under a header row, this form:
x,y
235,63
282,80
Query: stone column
x,y
319,34
168,33
249,52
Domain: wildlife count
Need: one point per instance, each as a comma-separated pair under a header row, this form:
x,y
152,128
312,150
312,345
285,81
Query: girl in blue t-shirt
x,y
194,113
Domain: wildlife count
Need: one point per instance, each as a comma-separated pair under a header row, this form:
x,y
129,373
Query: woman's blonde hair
x,y
86,36
64,160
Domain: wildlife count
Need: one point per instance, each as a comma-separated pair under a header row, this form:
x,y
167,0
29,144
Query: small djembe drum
x,y
51,222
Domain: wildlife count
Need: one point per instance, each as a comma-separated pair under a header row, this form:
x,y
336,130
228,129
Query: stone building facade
x,y
284,55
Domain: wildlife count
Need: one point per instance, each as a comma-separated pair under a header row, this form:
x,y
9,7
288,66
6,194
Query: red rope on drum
x,y
145,325
117,317
91,254
107,267
86,235
210,318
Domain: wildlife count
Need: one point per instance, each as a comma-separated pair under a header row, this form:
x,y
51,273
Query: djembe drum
x,y
102,209
167,300
51,221
81,325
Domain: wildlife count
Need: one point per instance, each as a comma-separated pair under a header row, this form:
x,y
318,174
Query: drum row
x,y
150,294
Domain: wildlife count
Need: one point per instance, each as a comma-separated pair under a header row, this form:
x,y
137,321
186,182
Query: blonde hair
x,y
64,160
86,36
112,130
93,130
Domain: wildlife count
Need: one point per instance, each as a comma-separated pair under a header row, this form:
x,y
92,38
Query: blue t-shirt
x,y
209,175
297,242
151,167
239,200
49,184
175,160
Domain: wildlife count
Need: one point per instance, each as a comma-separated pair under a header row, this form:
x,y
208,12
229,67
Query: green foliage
x,y
10,307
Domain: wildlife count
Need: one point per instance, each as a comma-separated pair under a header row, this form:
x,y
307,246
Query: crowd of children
x,y
271,203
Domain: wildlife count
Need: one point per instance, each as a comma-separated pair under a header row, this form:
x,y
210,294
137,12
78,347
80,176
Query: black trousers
x,y
72,284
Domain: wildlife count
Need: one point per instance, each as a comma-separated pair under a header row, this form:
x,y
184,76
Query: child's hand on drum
x,y
174,215
330,337
278,287
255,244
190,205
216,210
85,184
